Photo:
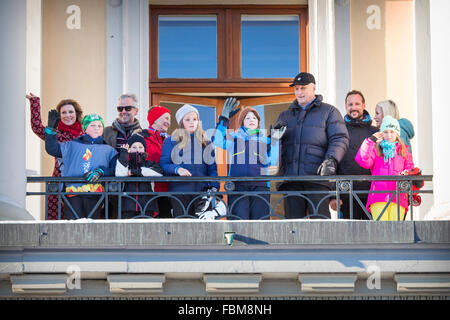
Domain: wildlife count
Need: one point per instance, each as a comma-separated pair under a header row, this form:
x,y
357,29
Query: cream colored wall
x,y
384,66
73,60
368,53
382,57
400,71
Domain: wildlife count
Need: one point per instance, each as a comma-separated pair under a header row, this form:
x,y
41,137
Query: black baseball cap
x,y
302,79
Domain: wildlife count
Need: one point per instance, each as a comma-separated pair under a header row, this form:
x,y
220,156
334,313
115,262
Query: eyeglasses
x,y
127,108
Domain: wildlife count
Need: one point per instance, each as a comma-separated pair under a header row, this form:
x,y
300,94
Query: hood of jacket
x,y
407,127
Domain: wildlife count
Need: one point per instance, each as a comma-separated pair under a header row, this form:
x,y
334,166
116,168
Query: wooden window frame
x,y
228,49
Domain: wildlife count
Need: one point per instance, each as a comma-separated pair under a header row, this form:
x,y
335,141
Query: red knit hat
x,y
155,113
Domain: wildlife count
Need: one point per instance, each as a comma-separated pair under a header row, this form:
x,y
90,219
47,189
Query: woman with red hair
x,y
67,122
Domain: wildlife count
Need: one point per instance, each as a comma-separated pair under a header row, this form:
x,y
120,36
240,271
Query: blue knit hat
x,y
389,123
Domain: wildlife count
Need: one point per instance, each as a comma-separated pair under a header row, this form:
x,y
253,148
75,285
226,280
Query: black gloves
x,y
93,175
53,118
136,160
229,108
328,167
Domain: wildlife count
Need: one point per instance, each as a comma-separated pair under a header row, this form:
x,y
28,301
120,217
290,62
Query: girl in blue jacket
x,y
251,153
188,153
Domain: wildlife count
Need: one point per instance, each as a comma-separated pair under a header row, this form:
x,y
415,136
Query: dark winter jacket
x,y
311,136
191,158
137,164
358,130
117,134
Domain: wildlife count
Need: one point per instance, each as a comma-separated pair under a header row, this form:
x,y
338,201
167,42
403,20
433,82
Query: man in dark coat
x,y
359,126
315,141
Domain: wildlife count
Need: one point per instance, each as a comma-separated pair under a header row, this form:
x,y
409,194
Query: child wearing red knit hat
x,y
158,124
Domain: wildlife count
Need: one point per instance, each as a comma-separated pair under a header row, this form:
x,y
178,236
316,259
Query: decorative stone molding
x,y
232,284
136,283
327,283
39,284
416,282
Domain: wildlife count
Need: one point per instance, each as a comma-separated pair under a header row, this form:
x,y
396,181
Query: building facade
x,y
201,52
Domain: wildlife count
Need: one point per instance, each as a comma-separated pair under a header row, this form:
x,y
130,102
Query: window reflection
x,y
269,46
187,46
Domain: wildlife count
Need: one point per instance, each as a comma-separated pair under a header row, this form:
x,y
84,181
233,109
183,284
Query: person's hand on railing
x,y
182,172
333,204
93,175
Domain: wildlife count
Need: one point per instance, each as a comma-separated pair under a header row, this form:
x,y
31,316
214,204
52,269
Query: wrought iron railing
x,y
340,186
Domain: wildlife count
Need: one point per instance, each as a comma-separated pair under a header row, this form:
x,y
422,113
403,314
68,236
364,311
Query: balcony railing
x,y
113,186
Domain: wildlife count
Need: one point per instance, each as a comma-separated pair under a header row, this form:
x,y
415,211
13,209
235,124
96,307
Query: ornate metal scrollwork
x,y
113,187
404,185
343,186
229,186
53,187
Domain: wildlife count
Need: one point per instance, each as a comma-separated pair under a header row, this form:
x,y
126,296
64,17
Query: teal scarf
x,y
389,149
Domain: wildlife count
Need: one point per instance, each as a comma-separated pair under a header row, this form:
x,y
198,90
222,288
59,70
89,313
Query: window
x,y
269,46
227,44
187,46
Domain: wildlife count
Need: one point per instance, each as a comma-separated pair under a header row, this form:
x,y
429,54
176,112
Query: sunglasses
x,y
127,108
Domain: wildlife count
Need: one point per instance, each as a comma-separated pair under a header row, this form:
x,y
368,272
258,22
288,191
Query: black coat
x,y
358,130
311,136
136,162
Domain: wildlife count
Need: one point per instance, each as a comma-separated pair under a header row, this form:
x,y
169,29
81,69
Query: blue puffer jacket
x,y
250,154
200,162
80,156
311,136
406,131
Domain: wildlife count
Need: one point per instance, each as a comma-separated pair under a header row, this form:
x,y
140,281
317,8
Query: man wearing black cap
x,y
315,141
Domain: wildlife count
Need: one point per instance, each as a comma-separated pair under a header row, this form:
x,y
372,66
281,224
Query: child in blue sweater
x,y
251,153
188,153
87,156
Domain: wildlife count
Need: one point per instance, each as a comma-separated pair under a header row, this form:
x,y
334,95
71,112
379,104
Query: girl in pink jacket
x,y
385,154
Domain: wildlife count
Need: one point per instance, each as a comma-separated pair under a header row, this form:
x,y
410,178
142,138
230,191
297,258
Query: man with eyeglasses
x,y
118,133
126,123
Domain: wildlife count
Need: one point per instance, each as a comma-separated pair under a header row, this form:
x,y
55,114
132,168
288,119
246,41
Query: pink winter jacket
x,y
367,158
